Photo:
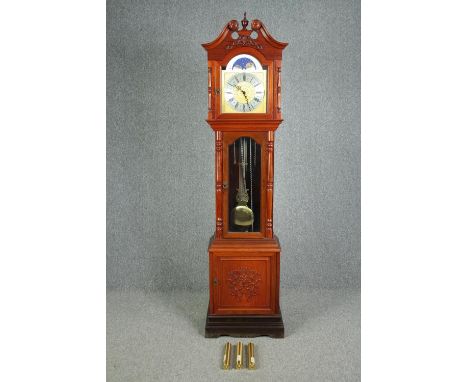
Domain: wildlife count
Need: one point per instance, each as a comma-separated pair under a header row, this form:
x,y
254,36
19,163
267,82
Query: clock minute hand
x,y
243,92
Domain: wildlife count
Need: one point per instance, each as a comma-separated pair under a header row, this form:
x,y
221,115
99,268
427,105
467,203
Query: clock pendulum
x,y
244,111
243,215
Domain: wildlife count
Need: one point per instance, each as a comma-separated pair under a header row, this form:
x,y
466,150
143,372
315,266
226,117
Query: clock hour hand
x,y
238,88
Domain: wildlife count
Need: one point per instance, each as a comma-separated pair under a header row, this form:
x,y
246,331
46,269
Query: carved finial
x,y
233,25
245,22
256,24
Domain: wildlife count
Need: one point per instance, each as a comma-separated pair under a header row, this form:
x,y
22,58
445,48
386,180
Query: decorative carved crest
x,y
244,38
244,41
227,41
244,282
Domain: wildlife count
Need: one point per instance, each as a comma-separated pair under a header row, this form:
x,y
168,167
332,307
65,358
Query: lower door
x,y
244,283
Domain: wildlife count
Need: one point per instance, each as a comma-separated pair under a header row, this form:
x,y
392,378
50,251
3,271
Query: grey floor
x,y
159,337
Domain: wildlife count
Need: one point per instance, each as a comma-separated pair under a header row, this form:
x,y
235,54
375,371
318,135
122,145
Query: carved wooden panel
x,y
244,283
244,41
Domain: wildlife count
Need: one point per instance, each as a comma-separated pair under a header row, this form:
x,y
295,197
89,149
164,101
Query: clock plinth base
x,y
244,326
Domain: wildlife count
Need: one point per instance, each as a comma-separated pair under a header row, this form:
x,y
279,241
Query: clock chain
x,y
242,213
241,157
255,155
251,181
244,162
234,152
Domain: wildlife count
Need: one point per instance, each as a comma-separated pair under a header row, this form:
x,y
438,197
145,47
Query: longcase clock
x,y
244,110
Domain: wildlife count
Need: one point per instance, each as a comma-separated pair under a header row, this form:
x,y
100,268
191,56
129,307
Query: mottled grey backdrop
x,y
160,150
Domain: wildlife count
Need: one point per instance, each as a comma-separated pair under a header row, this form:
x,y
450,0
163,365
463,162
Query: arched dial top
x,y
243,62
244,85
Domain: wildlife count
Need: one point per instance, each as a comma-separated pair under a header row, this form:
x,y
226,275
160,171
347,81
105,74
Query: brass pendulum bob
x,y
242,215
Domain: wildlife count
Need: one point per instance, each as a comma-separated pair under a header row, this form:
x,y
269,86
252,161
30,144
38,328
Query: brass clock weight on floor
x,y
244,111
227,356
239,355
239,359
251,355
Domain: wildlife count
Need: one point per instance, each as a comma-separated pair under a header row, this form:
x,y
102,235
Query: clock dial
x,y
244,92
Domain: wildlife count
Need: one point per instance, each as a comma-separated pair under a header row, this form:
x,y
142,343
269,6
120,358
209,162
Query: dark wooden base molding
x,y
244,326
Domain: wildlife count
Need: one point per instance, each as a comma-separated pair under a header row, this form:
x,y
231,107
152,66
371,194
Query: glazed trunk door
x,y
244,179
244,284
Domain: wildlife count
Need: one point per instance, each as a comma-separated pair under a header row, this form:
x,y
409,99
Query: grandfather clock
x,y
244,110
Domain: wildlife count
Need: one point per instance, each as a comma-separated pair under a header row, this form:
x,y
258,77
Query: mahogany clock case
x,y
244,253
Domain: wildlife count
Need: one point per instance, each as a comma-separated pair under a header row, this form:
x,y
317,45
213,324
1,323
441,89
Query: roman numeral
x,y
243,76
